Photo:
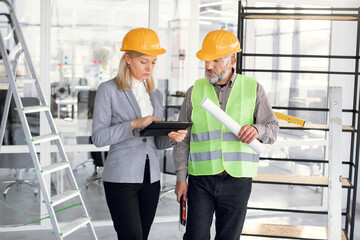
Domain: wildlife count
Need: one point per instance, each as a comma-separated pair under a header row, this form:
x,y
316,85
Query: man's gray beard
x,y
217,78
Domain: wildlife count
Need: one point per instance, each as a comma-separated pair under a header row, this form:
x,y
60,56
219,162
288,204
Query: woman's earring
x,y
128,65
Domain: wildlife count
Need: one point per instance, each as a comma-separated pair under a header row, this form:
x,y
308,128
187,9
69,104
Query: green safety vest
x,y
213,147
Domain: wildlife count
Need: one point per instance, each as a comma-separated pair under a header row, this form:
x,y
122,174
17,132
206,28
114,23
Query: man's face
x,y
218,69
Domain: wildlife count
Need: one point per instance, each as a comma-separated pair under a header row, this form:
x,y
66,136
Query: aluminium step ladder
x,y
41,171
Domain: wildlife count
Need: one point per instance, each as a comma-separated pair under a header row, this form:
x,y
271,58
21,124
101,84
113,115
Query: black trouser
x,y
132,206
225,196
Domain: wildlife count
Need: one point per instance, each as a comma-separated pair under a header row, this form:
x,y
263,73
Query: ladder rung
x,y
74,225
55,167
25,80
45,138
62,197
33,109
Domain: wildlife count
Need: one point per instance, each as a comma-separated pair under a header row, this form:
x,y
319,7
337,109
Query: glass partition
x,y
85,51
17,181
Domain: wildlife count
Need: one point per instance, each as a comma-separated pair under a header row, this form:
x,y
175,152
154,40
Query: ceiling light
x,y
215,18
216,3
205,22
221,12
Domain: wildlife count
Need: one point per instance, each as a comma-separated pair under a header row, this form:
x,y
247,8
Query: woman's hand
x,y
177,136
143,122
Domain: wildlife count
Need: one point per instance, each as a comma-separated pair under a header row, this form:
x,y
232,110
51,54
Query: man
x,y
221,165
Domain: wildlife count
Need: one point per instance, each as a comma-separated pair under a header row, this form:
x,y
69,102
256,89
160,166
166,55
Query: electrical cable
x,y
34,215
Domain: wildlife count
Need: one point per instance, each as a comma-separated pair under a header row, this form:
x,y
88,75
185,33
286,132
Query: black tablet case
x,y
161,128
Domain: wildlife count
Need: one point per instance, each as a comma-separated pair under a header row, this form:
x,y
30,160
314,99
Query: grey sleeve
x,y
163,142
264,118
181,151
103,132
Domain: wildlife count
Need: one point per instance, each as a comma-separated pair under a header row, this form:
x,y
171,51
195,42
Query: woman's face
x,y
141,67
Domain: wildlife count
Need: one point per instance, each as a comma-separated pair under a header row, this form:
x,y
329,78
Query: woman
x,y
123,106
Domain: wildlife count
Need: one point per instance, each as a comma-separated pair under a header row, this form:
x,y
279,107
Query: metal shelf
x,y
352,161
287,231
309,126
290,16
288,179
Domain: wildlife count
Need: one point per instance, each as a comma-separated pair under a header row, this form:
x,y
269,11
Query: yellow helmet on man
x,y
142,40
218,44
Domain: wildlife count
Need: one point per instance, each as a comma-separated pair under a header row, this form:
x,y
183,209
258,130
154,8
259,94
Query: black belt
x,y
223,174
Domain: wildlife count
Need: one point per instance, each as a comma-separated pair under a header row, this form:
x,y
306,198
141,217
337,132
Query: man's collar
x,y
232,78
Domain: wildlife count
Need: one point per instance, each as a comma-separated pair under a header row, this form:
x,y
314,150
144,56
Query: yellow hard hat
x,y
142,40
217,44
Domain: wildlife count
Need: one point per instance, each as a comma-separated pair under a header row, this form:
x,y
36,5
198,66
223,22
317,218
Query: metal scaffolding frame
x,y
331,14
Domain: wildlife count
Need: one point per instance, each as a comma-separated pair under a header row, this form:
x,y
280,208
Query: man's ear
x,y
232,62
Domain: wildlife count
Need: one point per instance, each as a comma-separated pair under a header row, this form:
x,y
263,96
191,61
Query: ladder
x,y
60,231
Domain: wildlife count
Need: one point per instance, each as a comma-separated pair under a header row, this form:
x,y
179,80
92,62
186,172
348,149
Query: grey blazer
x,y
113,111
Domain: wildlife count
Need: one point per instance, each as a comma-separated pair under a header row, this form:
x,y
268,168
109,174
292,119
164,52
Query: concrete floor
x,y
166,225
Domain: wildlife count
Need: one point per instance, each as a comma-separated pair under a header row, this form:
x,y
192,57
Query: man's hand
x,y
247,134
181,190
143,122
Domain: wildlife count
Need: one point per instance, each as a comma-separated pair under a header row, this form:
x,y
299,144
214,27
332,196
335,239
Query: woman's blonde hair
x,y
123,79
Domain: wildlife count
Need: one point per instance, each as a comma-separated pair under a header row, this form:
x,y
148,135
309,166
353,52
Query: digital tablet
x,y
161,128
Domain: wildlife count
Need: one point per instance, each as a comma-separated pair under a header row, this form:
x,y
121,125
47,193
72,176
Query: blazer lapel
x,y
133,102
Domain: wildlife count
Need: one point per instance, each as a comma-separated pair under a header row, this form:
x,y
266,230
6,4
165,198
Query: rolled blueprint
x,y
228,122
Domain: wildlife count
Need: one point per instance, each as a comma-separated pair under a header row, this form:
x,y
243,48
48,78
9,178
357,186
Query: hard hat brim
x,y
210,57
147,52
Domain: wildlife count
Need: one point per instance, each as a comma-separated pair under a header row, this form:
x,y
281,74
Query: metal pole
x,y
240,34
335,190
355,140
45,20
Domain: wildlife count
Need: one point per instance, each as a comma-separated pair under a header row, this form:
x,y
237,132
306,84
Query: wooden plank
x,y
347,128
309,126
296,180
287,231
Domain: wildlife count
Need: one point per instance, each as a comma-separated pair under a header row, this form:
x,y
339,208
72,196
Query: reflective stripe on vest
x,y
206,136
234,156
213,148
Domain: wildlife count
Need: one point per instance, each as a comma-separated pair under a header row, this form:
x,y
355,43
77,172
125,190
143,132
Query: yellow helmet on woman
x,y
142,40
217,44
